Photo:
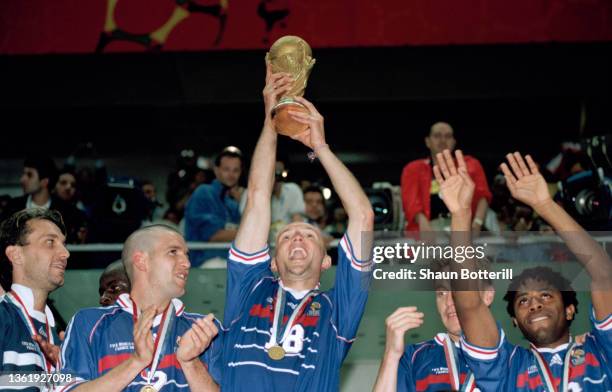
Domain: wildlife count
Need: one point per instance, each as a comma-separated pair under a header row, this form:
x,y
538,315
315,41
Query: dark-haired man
x,y
542,302
38,180
212,213
33,261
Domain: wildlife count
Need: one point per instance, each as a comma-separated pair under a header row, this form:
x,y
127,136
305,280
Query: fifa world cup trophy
x,y
292,55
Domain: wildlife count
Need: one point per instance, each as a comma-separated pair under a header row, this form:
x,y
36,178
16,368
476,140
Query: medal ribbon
x,y
162,332
23,312
546,373
452,360
279,307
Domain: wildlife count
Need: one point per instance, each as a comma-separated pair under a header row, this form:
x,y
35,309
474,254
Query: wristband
x,y
477,221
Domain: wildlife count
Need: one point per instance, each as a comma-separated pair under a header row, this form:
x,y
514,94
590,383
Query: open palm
x,y
456,186
524,181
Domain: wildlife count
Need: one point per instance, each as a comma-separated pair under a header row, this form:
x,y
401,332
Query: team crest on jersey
x,y
577,357
314,309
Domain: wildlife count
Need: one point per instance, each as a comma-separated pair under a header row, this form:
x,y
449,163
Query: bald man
x,y
424,209
114,349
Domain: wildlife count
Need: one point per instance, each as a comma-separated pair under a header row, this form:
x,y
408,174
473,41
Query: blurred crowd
x,y
205,197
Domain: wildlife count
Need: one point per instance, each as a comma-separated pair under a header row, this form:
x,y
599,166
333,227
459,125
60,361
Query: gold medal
x,y
276,353
148,388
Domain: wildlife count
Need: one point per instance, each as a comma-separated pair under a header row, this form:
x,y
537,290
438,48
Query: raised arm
x,y
353,198
255,224
457,190
398,323
527,185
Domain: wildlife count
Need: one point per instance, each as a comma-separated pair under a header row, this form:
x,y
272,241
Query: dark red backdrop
x,y
74,26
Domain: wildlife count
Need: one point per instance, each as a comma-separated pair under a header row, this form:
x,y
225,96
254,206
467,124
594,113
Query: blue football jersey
x,y
424,367
18,351
99,339
317,341
513,368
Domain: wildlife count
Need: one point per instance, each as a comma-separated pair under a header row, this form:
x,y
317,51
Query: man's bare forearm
x,y
198,377
116,380
588,252
351,194
386,380
255,223
353,198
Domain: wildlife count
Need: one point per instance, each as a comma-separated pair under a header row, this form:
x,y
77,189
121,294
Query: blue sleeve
x,y
76,355
244,270
350,292
405,378
201,219
211,357
602,333
490,365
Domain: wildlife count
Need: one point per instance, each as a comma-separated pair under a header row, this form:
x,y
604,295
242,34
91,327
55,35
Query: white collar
x,y
553,350
30,203
125,302
297,294
27,296
441,337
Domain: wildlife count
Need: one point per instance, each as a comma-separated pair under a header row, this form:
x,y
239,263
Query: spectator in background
x,y
424,209
37,181
113,282
212,213
66,186
287,201
315,210
66,190
155,208
191,172
316,213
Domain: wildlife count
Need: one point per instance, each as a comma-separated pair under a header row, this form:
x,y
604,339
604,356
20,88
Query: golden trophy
x,y
292,55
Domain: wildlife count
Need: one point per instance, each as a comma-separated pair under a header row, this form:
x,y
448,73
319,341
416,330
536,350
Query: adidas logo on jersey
x,y
556,360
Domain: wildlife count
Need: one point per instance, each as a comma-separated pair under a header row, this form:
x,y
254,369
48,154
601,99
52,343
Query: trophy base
x,y
284,124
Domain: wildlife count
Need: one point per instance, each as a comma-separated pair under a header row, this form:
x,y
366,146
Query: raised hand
x,y
276,85
314,136
197,339
525,182
143,338
400,321
456,186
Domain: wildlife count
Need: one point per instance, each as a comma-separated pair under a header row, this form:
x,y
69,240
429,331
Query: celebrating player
x,y
285,334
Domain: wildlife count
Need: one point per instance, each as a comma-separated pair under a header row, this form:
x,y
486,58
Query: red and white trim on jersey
x,y
603,325
249,258
483,353
357,264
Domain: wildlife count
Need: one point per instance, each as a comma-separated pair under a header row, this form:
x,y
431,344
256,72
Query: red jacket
x,y
416,184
